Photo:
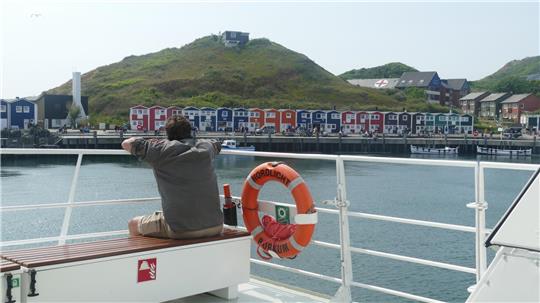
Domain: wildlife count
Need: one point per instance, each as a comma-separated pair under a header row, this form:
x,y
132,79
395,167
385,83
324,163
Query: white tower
x,y
77,93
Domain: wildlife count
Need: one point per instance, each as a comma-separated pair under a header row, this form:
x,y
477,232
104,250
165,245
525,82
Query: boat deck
x,y
260,290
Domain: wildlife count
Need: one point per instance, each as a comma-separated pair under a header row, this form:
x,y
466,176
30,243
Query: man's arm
x,y
128,144
148,150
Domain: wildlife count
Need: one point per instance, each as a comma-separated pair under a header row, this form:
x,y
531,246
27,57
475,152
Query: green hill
x,y
512,77
390,70
206,73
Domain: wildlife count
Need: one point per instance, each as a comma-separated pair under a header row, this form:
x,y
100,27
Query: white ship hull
x,y
434,151
503,152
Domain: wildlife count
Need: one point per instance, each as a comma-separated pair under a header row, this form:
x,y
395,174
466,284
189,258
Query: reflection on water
x,y
4,173
418,192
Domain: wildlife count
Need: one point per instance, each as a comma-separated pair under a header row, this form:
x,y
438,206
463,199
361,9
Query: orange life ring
x,y
305,218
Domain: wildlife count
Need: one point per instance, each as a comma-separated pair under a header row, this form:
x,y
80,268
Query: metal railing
x,y
340,202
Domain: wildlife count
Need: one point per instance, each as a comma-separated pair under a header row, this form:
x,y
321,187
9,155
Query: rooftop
x,y
495,97
473,96
516,98
456,84
378,83
416,79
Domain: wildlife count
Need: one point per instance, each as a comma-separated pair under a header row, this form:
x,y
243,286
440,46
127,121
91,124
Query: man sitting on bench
x,y
186,181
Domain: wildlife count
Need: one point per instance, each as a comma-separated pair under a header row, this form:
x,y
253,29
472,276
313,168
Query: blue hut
x,y
303,118
333,121
240,118
390,123
404,122
3,114
193,115
224,119
466,124
21,113
318,119
453,124
208,119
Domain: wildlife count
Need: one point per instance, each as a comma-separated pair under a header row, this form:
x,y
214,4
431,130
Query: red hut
x,y
256,118
174,111
138,118
362,121
288,119
157,117
376,122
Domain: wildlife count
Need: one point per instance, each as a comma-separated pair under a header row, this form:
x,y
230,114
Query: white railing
x,y
340,202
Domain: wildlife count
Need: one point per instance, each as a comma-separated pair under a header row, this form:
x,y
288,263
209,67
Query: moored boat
x,y
434,151
231,144
481,150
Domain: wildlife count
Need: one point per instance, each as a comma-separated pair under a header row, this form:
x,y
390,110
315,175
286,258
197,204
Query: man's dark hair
x,y
178,128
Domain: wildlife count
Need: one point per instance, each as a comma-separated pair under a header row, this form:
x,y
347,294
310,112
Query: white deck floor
x,y
260,291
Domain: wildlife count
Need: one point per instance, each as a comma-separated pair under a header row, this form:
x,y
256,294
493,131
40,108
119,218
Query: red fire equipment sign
x,y
146,270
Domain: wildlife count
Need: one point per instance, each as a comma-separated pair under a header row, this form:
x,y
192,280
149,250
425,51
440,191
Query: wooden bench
x,y
135,269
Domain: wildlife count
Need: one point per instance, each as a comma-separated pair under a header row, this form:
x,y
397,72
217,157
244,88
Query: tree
x,y
73,114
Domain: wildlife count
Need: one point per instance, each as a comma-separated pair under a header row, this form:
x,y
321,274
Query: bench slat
x,y
44,256
6,265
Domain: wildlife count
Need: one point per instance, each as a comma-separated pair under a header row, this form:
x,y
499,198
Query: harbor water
x,y
430,193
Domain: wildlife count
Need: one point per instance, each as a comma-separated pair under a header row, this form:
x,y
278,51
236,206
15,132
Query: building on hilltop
x,y
232,38
456,89
490,106
470,104
379,83
428,81
516,105
441,91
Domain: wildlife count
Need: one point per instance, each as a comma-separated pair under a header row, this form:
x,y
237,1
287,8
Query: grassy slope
x,y
390,70
516,68
205,73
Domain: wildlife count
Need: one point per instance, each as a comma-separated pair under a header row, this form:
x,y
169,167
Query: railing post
x,y
344,292
480,206
71,199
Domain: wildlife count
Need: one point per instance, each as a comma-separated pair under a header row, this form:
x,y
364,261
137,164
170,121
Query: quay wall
x,y
334,144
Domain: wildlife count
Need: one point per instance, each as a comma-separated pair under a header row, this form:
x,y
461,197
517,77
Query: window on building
x,y
3,108
270,115
392,117
26,109
18,109
334,116
405,117
288,115
224,114
304,115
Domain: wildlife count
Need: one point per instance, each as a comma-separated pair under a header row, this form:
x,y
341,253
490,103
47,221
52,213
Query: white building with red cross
x,y
377,83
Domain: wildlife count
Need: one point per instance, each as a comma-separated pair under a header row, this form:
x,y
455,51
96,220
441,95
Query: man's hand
x,y
127,144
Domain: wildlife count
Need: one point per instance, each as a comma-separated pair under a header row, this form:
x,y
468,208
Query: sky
x,y
43,42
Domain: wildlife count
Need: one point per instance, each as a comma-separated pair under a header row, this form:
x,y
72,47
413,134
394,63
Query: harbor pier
x,y
330,144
